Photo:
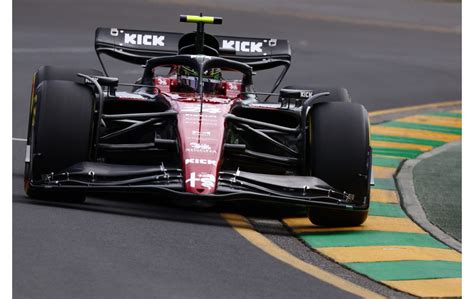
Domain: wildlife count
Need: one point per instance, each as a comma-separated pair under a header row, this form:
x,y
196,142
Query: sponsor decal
x,y
233,89
207,180
197,109
232,86
201,139
162,82
209,122
201,133
144,39
306,93
200,148
198,116
201,161
243,46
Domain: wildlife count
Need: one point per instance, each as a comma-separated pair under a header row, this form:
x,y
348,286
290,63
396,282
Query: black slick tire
x,y
339,153
59,134
48,72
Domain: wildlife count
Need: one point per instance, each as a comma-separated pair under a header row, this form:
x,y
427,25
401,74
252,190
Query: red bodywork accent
x,y
201,137
200,130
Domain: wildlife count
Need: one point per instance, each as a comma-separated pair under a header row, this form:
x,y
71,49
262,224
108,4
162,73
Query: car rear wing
x,y
137,46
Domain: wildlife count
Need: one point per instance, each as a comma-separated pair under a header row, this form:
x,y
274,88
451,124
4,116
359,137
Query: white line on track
x,y
19,139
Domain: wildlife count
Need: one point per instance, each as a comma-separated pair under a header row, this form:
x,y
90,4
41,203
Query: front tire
x,y
60,134
340,155
50,73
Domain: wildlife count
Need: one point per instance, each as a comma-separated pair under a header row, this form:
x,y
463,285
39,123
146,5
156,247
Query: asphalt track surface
x,y
132,247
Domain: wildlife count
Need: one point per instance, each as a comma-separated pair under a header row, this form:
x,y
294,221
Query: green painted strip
x,y
369,238
386,210
397,152
444,113
386,161
408,270
432,128
398,139
385,184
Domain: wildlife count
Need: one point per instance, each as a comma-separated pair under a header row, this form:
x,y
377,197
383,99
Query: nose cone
x,y
201,132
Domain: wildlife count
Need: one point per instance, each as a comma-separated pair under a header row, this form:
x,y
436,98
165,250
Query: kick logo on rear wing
x,y
139,39
147,39
247,46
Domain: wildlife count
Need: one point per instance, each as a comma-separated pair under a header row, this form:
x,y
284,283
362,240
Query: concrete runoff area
x,y
440,195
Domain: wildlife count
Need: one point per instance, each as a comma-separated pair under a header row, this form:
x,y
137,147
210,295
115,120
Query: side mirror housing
x,y
297,95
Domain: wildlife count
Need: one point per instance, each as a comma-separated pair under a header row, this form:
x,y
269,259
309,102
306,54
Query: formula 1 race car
x,y
194,128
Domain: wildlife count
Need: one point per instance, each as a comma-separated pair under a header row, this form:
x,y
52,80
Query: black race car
x,y
194,128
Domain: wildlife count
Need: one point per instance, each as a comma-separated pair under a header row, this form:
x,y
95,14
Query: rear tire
x,y
337,94
59,135
340,155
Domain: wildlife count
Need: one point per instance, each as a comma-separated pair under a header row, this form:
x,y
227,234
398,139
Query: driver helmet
x,y
188,79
